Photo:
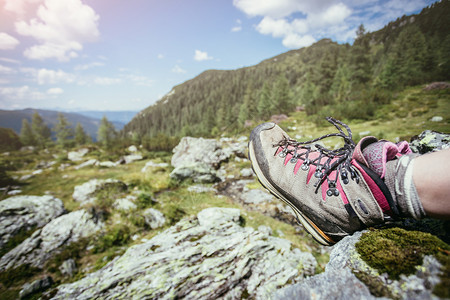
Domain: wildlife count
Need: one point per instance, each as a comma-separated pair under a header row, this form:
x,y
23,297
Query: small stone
x,y
68,268
132,149
36,286
154,218
265,230
125,204
77,155
246,172
437,119
88,163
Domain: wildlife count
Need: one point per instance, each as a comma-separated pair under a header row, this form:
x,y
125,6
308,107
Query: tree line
x,y
38,134
327,78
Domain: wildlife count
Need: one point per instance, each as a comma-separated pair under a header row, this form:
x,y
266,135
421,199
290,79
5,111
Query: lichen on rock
x,y
206,257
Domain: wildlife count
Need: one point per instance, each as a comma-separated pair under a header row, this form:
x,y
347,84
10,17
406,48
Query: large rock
x,y
77,155
198,150
238,148
51,239
22,213
256,200
197,172
87,192
207,257
430,141
340,272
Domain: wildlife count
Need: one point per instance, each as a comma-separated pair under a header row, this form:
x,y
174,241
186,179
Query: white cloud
x,y
9,60
23,93
55,91
301,22
277,28
106,80
160,56
6,70
140,80
200,55
238,27
88,66
293,41
272,8
8,42
61,28
316,19
45,76
178,69
19,6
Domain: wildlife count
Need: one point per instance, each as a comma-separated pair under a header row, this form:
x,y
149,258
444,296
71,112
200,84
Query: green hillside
x,y
349,82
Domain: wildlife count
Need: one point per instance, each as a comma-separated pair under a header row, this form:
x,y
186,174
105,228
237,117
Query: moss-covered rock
x,y
399,253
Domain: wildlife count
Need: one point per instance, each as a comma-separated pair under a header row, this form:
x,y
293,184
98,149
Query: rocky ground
x,y
194,224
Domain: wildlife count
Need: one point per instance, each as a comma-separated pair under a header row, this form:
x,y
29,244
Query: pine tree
x,y
106,133
41,131
360,57
26,134
341,87
63,131
80,135
281,96
248,109
265,102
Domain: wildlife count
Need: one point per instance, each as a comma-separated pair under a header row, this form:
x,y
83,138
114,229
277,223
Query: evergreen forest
x,y
345,81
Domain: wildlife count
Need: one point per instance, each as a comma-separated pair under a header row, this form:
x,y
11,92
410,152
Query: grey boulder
x,y
339,280
86,192
51,239
198,150
207,257
23,213
430,141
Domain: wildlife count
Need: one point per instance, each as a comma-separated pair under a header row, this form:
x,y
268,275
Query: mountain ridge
x,y
347,81
13,119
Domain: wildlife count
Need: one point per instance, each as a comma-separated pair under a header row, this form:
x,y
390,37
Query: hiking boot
x,y
333,192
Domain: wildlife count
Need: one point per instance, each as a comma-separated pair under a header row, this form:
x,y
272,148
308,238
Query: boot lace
x,y
343,155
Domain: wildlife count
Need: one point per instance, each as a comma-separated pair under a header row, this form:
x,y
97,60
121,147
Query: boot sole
x,y
310,227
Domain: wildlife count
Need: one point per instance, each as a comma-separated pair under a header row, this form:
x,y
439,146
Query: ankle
x,y
399,180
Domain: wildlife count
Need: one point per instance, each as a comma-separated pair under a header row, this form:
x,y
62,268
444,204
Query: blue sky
x,y
125,55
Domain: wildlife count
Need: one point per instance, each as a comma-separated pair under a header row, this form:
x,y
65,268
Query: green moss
x,y
375,285
74,250
145,200
396,251
174,213
109,193
17,276
116,236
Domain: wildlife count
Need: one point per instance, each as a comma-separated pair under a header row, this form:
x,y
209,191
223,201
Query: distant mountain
x,y
13,119
120,116
326,78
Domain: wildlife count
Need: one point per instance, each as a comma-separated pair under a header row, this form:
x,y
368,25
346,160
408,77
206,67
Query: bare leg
x,y
431,175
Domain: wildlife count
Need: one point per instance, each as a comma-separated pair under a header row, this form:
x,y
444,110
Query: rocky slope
x,y
118,241
209,256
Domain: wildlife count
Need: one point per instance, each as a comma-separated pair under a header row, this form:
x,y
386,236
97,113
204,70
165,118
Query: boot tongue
x,y
358,154
377,154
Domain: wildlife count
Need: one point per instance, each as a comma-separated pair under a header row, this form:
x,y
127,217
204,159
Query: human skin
x,y
431,176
